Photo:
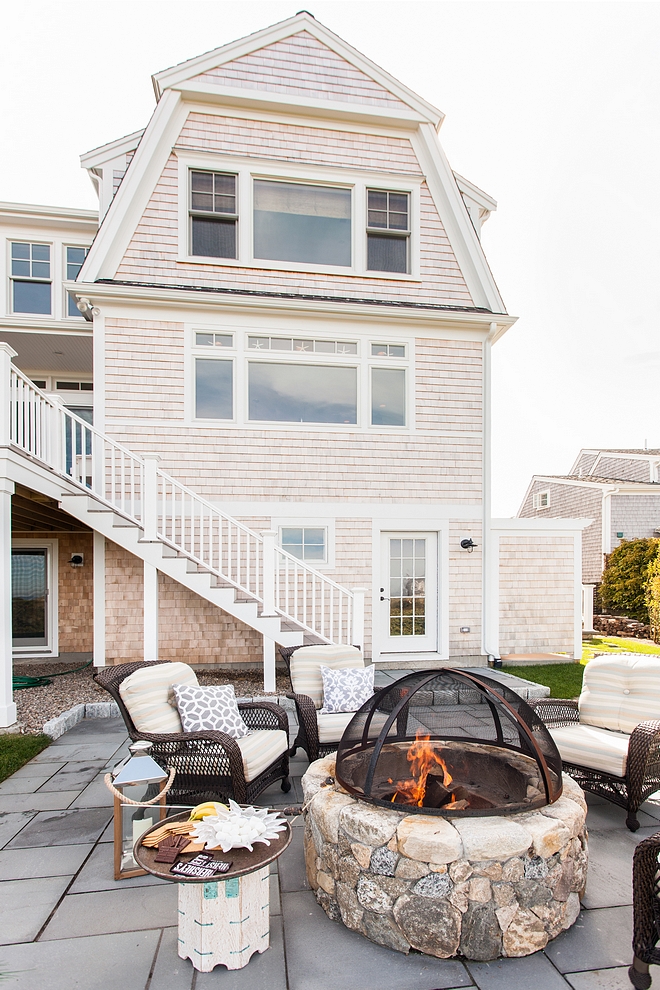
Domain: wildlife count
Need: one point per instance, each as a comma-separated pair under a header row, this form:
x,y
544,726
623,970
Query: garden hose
x,y
20,681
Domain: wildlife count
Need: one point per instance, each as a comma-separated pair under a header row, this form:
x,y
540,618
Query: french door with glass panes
x,y
32,575
409,592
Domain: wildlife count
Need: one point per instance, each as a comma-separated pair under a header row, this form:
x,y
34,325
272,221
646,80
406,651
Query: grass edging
x,y
16,750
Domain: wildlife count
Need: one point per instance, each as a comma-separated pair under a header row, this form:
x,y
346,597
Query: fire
x,y
423,756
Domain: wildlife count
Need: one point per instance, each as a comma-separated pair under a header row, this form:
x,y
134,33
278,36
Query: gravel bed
x,y
37,705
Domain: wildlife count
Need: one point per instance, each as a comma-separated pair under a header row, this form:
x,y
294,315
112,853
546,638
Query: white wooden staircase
x,y
129,500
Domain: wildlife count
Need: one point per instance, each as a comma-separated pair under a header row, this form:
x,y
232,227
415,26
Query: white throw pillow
x,y
346,690
210,707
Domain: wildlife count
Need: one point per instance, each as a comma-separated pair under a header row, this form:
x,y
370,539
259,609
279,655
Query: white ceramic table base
x,y
224,921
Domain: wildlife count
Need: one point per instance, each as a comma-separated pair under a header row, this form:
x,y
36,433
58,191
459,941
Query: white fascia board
x,y
122,294
456,220
135,191
622,487
525,497
517,527
229,96
279,32
474,192
114,149
622,455
584,450
60,217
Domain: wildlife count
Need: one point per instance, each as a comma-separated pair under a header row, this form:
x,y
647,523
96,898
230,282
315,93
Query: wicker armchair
x,y
646,911
317,735
603,739
209,765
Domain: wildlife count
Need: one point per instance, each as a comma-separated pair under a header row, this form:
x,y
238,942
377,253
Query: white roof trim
x,y
474,192
185,71
28,210
112,150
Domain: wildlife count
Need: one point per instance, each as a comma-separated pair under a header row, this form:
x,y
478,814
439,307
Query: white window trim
x,y
245,171
52,281
537,500
279,523
52,647
242,355
65,277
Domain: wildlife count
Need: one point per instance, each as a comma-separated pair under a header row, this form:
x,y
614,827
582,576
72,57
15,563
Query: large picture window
x,y
301,393
302,223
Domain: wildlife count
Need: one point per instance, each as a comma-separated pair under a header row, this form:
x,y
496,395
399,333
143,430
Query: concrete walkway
x,y
67,924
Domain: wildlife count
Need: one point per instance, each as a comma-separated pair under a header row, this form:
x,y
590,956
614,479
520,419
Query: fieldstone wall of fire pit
x,y
481,887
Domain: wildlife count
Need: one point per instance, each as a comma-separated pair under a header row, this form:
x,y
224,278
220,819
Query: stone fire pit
x,y
481,887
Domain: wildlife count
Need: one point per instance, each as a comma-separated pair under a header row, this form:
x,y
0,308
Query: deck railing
x,y
169,512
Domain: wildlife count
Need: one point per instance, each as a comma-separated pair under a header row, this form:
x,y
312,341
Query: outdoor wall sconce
x,y
468,544
77,559
138,778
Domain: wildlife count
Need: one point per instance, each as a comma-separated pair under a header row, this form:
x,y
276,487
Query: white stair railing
x,y
171,513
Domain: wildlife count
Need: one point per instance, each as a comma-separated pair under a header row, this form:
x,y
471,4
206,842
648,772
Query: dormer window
x,y
541,500
213,214
302,223
388,231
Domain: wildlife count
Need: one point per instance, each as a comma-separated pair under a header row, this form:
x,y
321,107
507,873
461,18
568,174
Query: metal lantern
x,y
138,778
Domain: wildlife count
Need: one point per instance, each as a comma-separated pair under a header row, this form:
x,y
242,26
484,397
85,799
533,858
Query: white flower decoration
x,y
238,828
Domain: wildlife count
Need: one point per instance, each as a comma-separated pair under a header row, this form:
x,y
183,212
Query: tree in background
x,y
623,590
652,596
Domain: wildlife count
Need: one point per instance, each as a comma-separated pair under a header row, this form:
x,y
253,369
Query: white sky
x,y
552,108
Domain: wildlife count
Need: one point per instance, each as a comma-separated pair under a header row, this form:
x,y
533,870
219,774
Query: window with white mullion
x,y
213,214
31,278
388,231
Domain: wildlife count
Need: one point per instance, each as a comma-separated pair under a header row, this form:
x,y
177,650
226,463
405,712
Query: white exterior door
x,y
409,592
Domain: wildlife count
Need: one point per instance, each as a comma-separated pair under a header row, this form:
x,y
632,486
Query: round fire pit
x,y
481,886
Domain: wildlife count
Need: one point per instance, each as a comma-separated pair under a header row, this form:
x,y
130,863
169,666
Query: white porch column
x,y
268,572
490,610
269,664
150,498
588,608
99,600
150,612
357,638
7,706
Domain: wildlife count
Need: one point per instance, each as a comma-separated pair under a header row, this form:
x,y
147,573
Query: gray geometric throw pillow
x,y
346,690
210,707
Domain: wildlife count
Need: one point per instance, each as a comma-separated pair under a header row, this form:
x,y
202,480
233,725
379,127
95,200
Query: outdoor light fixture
x,y
138,778
468,544
77,559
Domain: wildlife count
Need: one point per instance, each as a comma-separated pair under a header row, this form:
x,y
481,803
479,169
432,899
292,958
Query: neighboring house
x,y
619,490
287,310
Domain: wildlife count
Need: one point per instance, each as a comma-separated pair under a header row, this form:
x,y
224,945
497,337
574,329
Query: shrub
x,y
652,596
623,590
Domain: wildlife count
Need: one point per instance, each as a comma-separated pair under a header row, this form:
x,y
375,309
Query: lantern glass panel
x,y
131,822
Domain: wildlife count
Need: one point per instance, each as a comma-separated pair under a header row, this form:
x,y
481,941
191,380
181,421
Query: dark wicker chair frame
x,y
646,911
308,727
209,765
642,768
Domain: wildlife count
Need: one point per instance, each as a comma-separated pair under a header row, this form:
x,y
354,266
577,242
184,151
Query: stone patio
x,y
67,924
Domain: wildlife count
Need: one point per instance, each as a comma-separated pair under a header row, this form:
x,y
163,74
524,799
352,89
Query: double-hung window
x,y
31,278
75,257
213,214
388,231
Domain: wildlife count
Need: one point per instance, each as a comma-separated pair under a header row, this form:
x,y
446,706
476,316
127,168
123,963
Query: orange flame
x,y
422,755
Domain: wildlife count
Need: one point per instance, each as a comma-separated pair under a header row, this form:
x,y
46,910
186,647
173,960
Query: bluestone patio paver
x,y
48,861
265,970
601,979
11,824
43,770
322,954
170,972
81,752
98,873
291,865
103,962
73,775
129,909
528,973
599,939
23,785
47,801
62,828
25,905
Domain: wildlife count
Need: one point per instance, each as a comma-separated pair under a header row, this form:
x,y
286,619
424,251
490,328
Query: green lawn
x,y
16,750
615,644
563,679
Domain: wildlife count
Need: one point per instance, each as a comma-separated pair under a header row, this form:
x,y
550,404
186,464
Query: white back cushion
x,y
148,695
621,691
306,667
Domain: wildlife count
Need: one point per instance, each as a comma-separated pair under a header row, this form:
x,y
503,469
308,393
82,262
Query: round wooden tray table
x,y
226,920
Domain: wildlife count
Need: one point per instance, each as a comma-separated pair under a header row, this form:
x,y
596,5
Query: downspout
x,y
607,522
490,566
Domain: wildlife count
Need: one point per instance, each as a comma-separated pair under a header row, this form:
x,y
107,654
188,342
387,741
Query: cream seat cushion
x,y
331,726
306,667
591,746
260,748
148,695
620,691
